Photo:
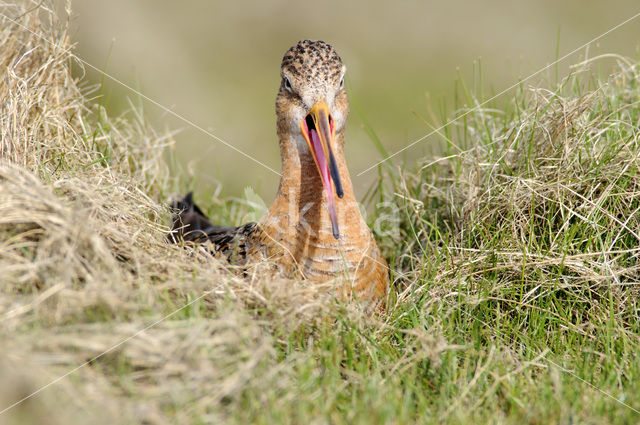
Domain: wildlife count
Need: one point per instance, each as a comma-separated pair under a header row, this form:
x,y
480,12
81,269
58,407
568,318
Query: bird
x,y
314,229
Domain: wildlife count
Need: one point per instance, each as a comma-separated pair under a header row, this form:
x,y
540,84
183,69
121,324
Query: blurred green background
x,y
217,63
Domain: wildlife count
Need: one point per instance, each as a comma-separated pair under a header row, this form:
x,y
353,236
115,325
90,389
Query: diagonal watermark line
x,y
148,99
512,340
562,368
124,341
437,130
458,307
93,359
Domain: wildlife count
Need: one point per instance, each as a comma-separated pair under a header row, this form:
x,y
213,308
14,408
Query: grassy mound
x,y
515,262
85,265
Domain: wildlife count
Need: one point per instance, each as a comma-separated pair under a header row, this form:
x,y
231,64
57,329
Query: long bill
x,y
319,131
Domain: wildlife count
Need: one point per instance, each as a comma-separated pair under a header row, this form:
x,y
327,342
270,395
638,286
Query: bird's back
x,y
190,224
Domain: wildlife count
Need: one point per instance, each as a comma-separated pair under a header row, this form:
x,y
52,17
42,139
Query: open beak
x,y
319,131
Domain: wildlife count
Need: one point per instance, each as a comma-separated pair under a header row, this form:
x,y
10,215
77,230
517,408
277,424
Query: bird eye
x,y
287,84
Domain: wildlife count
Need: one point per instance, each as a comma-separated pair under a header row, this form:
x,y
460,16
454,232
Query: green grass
x,y
514,259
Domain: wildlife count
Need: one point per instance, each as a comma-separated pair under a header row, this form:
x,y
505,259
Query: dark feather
x,y
190,224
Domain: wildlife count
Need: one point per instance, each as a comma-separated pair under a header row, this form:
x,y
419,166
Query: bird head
x,y
312,106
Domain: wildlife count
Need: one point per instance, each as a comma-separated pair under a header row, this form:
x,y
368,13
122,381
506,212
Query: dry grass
x,y
549,185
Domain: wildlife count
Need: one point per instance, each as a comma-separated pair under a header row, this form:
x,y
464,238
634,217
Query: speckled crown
x,y
311,60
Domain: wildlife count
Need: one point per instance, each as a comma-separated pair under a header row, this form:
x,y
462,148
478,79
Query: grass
x,y
514,257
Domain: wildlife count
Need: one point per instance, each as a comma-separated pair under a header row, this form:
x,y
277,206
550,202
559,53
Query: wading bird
x,y
314,229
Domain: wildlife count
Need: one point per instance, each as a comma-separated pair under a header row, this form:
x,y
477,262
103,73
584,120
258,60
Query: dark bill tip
x,y
335,175
336,232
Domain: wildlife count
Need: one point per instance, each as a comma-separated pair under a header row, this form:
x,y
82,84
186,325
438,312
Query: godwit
x,y
313,229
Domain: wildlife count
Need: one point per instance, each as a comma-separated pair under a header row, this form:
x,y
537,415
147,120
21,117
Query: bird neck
x,y
300,173
301,198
